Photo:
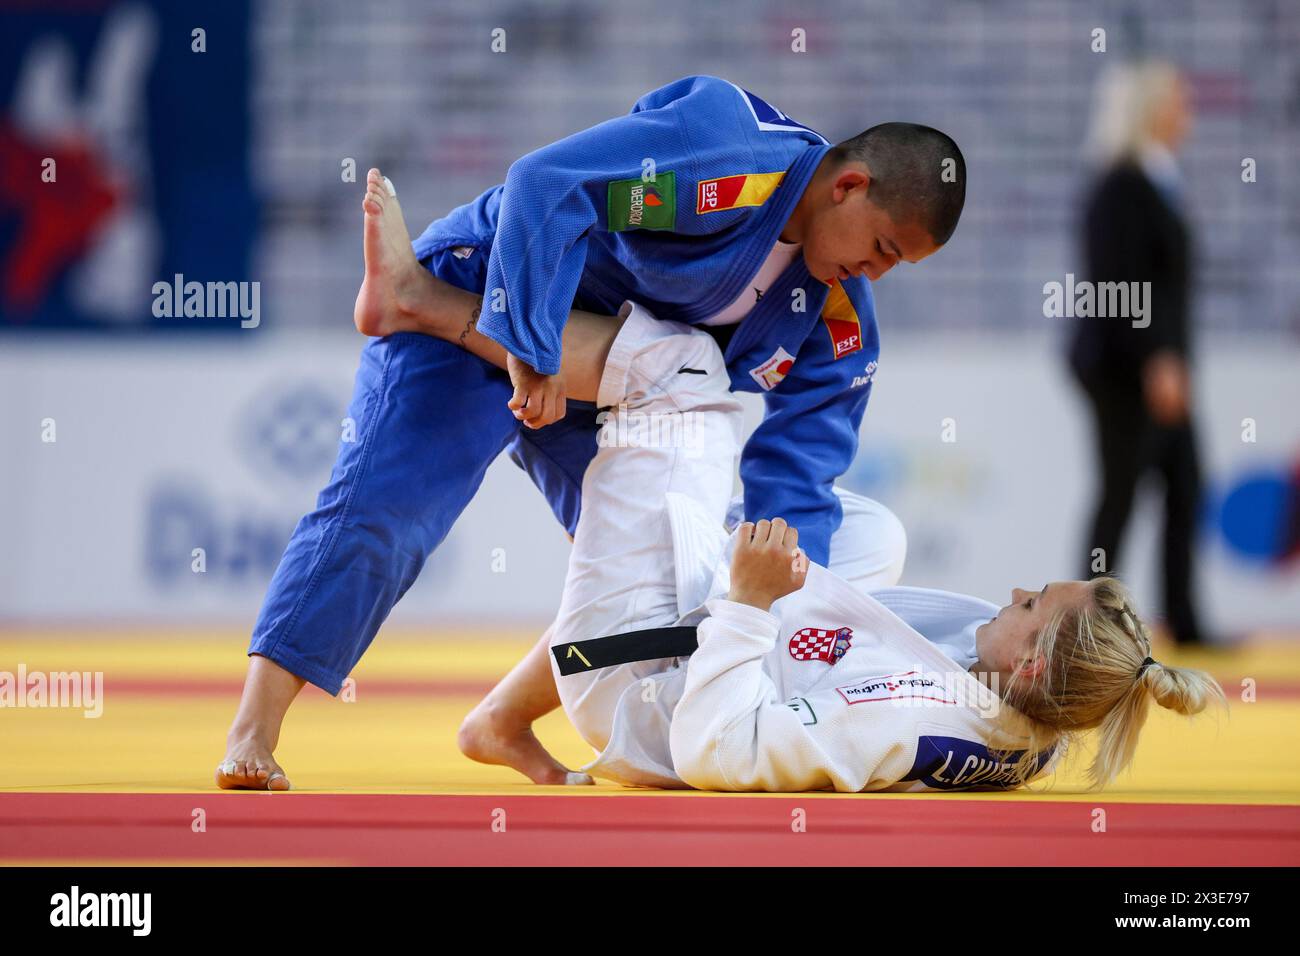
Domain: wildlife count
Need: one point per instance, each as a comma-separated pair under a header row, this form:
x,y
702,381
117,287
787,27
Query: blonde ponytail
x,y
1100,675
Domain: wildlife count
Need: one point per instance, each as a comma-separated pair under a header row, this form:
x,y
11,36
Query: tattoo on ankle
x,y
473,321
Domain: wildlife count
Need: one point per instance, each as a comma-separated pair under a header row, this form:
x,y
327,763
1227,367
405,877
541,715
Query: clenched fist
x,y
538,399
767,564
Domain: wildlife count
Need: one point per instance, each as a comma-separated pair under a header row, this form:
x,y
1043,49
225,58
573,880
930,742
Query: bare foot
x,y
394,281
488,735
249,765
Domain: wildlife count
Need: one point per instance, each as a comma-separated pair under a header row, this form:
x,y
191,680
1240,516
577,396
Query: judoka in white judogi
x,y
849,684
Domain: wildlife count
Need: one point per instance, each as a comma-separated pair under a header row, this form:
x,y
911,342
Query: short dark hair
x,y
911,176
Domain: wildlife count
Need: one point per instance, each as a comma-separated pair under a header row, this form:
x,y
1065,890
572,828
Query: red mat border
x,y
401,830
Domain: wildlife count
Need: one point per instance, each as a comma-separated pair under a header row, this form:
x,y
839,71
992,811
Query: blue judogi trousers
x,y
430,418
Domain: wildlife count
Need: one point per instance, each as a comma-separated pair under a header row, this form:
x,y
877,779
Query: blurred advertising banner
x,y
232,156
178,469
124,162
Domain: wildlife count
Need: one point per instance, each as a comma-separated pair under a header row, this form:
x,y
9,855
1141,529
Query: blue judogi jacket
x,y
676,206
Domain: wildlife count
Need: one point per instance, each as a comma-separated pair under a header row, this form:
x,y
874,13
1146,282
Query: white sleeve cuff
x,y
749,621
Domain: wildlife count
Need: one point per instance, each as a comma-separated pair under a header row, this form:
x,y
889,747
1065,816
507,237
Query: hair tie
x,y
1145,664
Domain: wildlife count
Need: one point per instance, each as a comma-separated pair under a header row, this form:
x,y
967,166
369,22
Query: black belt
x,y
652,644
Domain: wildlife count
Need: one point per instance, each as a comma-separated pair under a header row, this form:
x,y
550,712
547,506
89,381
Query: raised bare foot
x,y
393,282
489,735
249,765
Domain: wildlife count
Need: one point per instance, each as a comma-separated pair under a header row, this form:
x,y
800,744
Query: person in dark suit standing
x,y
1137,379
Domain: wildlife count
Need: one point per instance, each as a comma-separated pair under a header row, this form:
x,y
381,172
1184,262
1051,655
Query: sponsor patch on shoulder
x,y
771,373
911,685
637,204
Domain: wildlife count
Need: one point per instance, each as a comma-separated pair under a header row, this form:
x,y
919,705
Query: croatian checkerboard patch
x,y
820,644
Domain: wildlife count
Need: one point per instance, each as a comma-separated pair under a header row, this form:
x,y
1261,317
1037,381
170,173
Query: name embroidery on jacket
x,y
952,763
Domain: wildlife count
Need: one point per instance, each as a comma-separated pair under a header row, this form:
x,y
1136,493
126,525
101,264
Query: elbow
x,y
698,759
515,190
694,759
526,171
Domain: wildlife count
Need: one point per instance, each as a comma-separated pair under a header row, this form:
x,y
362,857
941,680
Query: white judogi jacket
x,y
761,707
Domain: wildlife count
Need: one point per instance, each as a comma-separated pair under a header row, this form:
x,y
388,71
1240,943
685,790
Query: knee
x,y
590,701
893,546
594,723
870,547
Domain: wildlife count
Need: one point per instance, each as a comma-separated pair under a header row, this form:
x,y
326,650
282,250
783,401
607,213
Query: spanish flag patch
x,y
842,322
732,192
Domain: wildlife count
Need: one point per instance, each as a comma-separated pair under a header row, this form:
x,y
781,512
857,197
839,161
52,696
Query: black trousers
x,y
1130,445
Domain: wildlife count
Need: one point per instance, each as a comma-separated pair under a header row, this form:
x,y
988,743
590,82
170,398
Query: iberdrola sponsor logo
x,y
642,196
641,204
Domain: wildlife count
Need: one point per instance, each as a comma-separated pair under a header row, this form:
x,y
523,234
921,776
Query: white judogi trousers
x,y
673,430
